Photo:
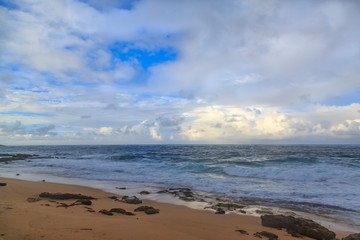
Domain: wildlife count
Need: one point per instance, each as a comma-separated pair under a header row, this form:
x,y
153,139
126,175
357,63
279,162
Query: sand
x,y
20,219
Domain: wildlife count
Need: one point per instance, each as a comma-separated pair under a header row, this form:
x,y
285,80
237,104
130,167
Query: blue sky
x,y
156,71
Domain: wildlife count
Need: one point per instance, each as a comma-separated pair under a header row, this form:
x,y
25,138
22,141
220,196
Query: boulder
x,y
354,236
3,184
147,209
301,226
220,211
131,200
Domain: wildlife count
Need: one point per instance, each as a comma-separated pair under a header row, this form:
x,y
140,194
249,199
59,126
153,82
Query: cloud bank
x,y
119,72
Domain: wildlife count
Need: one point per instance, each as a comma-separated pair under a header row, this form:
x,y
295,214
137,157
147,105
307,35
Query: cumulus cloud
x,y
241,71
253,125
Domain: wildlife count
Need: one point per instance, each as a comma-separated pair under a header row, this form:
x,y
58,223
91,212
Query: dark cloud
x,y
41,131
110,106
11,129
170,122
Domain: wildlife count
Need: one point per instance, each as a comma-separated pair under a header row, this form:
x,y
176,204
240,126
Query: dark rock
x,y
18,174
3,184
121,188
90,210
87,229
257,235
131,200
242,232
184,194
121,211
64,196
106,212
301,226
63,205
269,235
220,211
144,192
82,202
147,209
113,197
4,157
354,236
230,206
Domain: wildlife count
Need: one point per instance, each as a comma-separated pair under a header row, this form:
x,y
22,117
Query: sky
x,y
179,72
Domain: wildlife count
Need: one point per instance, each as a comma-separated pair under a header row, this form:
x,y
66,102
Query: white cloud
x,y
57,69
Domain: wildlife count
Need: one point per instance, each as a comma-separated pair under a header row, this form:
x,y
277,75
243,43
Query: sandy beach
x,y
25,215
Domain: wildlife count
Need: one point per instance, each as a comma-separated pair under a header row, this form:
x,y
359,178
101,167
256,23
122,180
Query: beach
x,y
25,215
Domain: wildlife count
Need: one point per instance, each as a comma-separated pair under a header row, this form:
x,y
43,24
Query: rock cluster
x,y
64,196
147,209
296,226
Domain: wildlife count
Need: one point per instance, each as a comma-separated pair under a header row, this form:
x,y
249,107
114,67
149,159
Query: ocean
x,y
321,179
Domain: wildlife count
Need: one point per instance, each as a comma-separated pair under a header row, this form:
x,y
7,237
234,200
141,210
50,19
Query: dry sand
x,y
20,219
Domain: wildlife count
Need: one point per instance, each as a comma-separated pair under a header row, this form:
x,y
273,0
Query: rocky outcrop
x,y
147,209
82,202
220,211
121,211
106,212
300,226
64,196
131,200
3,184
4,157
354,236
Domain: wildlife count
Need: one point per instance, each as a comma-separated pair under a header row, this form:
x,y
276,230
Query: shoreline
x,y
20,219
203,200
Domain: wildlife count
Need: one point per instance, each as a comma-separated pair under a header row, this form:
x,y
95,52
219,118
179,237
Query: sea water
x,y
324,179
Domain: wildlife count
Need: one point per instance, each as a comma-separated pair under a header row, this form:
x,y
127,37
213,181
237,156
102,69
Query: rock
x,y
106,212
82,202
63,205
121,211
269,235
301,226
144,192
131,200
257,235
18,174
242,232
147,209
4,157
184,194
230,206
354,236
121,188
220,211
64,196
113,197
3,184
